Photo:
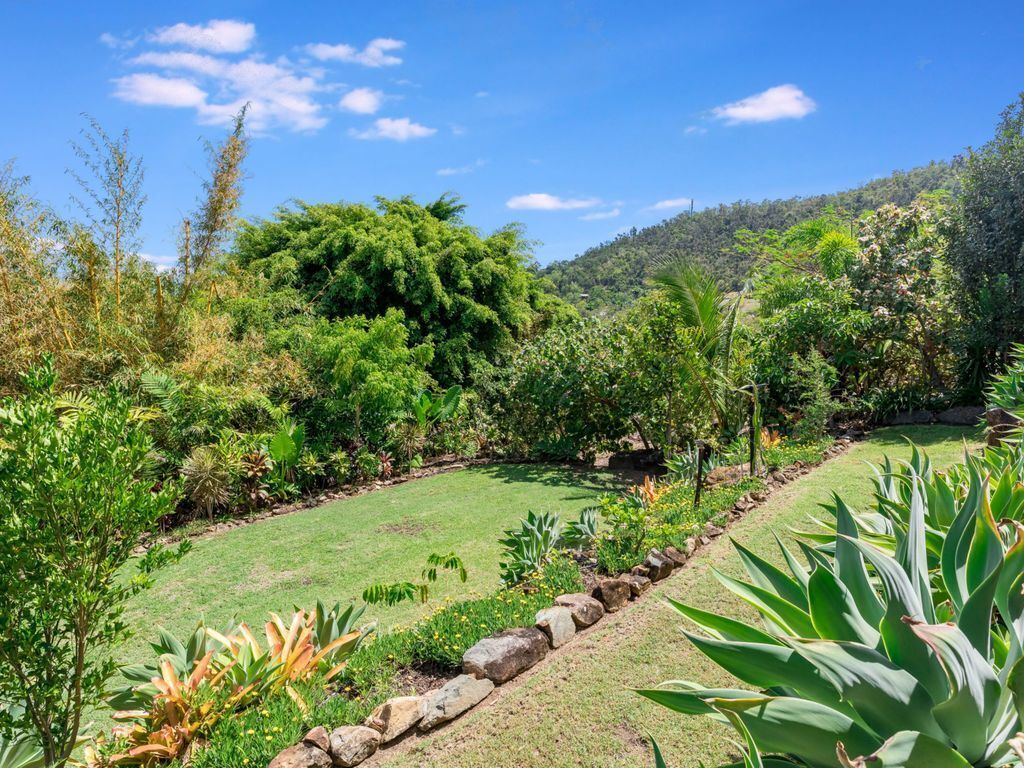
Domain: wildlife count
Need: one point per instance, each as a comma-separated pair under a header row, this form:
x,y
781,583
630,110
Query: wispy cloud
x,y
118,43
695,130
158,91
362,101
779,103
216,36
161,262
672,204
199,72
482,94
377,52
394,129
278,93
542,201
599,215
461,169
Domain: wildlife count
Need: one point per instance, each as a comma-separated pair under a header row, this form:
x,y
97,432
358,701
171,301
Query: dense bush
x,y
77,492
469,297
986,240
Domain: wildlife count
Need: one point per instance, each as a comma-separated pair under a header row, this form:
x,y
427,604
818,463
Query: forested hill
x,y
613,274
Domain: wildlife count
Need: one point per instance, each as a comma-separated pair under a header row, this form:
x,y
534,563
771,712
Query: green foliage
x,y
614,274
899,641
76,496
470,297
209,478
985,241
561,396
397,592
815,401
1006,390
18,748
528,548
882,321
581,534
367,463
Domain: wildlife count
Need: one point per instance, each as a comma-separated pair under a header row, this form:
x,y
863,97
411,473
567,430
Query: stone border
x,y
505,655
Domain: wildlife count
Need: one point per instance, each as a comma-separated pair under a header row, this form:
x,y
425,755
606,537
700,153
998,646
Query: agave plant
x,y
861,662
526,548
18,748
682,466
580,534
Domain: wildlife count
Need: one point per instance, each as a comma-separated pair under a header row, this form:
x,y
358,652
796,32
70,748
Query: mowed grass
x,y
335,551
578,708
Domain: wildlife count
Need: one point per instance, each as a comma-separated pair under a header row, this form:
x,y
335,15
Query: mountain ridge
x,y
611,275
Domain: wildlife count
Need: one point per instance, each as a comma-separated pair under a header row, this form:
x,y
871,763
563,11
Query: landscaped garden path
x,y
576,708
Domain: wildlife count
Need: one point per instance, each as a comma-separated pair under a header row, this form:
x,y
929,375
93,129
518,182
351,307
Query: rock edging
x,y
505,655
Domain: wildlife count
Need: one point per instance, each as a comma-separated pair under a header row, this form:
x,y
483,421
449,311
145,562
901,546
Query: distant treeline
x,y
614,274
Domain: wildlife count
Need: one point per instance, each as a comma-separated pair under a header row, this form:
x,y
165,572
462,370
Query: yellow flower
x,y
245,761
270,738
251,731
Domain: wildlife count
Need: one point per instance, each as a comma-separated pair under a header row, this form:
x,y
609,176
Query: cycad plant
x,y
877,658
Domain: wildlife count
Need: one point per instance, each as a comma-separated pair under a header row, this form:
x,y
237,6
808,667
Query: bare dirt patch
x,y
407,526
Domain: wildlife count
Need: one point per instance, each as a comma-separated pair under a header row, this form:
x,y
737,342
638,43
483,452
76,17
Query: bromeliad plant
x,y
869,657
190,686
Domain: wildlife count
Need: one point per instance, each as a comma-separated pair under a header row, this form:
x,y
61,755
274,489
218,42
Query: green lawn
x,y
334,551
578,710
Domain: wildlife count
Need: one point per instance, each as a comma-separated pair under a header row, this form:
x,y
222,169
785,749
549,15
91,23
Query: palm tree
x,y
709,320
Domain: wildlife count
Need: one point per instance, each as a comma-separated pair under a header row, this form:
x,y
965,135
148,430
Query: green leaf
x,y
788,617
834,612
770,666
796,726
723,627
974,690
767,576
879,691
906,749
850,565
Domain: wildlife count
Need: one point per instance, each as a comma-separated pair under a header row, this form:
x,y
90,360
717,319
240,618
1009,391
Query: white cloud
x,y
542,201
375,54
695,130
216,36
670,205
278,94
395,129
482,94
362,101
462,169
778,103
113,41
162,263
156,91
599,215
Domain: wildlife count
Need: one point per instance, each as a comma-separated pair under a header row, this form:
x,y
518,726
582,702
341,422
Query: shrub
x,y
367,464
76,496
876,652
817,407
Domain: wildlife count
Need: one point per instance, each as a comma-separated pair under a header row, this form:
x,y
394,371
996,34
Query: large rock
x,y
351,744
910,417
318,737
637,584
557,625
962,415
504,655
396,716
584,608
1001,425
658,566
613,593
678,558
457,695
301,755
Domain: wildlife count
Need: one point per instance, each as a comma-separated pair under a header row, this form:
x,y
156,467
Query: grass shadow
x,y
583,479
924,435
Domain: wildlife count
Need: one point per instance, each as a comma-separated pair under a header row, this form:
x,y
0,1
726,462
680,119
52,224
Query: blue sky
x,y
578,119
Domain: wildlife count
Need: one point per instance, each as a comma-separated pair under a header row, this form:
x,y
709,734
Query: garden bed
x,y
418,660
